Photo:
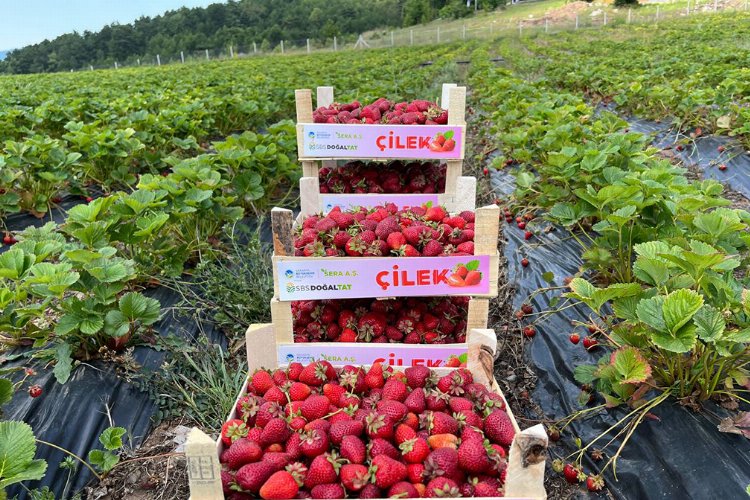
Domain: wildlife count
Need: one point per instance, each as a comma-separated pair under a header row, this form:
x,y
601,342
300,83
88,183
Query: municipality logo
x,y
290,288
311,135
289,273
290,357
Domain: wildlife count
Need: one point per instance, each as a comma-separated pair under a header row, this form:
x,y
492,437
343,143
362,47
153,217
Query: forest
x,y
237,23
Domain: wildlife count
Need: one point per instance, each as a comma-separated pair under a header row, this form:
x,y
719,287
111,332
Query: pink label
x,y
381,141
361,277
348,201
391,354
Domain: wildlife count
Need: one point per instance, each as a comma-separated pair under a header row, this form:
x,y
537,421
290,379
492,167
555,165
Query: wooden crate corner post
x,y
204,471
482,345
260,345
526,463
309,193
324,97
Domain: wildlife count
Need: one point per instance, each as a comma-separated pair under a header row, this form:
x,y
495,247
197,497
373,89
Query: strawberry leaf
x,y
448,135
472,265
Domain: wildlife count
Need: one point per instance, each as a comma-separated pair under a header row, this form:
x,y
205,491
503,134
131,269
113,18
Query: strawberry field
x,y
140,245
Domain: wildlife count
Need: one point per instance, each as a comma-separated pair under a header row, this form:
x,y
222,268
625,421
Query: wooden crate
x,y
362,353
364,145
462,197
526,461
313,278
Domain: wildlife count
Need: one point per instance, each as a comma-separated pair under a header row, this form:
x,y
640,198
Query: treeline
x,y
239,23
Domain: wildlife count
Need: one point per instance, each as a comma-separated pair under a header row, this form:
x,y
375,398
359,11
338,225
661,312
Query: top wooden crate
x,y
334,141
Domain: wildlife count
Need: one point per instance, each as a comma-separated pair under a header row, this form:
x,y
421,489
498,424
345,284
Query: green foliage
x,y
105,460
17,450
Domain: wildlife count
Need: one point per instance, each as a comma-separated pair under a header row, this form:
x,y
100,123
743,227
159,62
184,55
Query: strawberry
x,y
414,450
275,431
387,471
233,430
416,401
345,428
442,462
241,452
499,428
590,343
527,235
35,391
594,483
527,308
572,473
379,446
393,409
416,376
315,407
251,477
299,391
473,278
443,441
432,248
386,227
353,449
435,214
529,331
333,490
722,167
442,487
315,374
472,457
314,442
522,225
525,262
260,382
394,389
333,392
275,394
379,425
322,470
403,489
574,338
281,485
354,477
374,378
370,491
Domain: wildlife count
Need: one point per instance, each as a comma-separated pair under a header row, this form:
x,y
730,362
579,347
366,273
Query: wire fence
x,y
584,19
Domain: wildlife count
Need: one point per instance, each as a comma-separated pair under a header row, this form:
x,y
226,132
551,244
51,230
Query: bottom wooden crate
x,y
526,460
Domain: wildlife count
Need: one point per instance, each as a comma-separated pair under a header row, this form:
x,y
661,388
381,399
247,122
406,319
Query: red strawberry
x,y
379,425
527,235
260,382
354,477
374,378
233,430
403,489
370,491
394,389
416,401
353,449
333,490
387,471
281,485
252,476
299,391
345,428
473,278
416,376
396,240
589,343
333,392
414,472
466,247
241,452
35,391
574,338
371,325
323,470
442,462
435,214
442,487
415,450
529,331
594,483
379,446
572,473
499,428
315,374
275,431
315,407
525,262
472,457
314,443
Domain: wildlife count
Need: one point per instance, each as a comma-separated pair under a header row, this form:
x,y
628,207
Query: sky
x,y
23,22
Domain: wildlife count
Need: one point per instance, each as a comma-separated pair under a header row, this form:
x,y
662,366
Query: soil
x,y
155,471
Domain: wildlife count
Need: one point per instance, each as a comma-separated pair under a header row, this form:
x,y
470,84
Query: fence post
x,y
182,57
231,51
605,18
745,4
463,33
490,30
308,45
411,37
546,25
158,60
335,46
657,12
716,5
208,58
91,67
438,34
116,65
282,46
630,11
576,21
255,48
520,28
139,61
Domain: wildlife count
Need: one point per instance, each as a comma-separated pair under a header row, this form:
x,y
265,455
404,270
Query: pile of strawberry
x,y
417,112
373,177
426,231
312,432
414,320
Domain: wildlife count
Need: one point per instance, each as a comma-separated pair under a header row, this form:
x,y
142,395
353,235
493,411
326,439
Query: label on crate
x,y
362,277
367,354
348,201
323,140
